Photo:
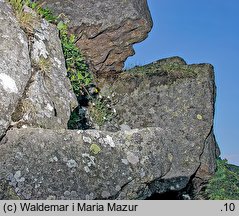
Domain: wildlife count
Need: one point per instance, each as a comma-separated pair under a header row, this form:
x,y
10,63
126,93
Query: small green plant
x,y
45,13
178,70
74,120
44,65
225,183
26,19
172,70
100,111
77,69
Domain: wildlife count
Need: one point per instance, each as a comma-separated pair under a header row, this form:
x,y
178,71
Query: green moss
x,y
225,183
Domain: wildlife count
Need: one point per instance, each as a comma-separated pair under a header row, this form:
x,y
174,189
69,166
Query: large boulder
x,y
48,99
171,95
15,64
106,29
64,164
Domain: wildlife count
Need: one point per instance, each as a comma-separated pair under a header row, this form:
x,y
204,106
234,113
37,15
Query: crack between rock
x,y
114,197
211,131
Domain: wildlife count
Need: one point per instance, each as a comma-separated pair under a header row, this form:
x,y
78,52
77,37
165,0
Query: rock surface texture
x,y
43,164
34,88
106,29
48,99
159,138
171,95
15,65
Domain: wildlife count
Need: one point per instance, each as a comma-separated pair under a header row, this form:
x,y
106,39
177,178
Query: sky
x,y
205,31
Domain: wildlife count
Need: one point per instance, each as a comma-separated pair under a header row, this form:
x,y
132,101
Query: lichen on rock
x,y
156,138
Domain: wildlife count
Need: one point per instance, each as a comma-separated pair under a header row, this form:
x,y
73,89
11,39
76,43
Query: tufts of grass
x,y
225,183
44,66
171,70
25,18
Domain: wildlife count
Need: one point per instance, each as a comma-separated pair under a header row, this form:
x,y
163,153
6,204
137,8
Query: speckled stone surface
x,y
15,65
48,99
61,164
171,95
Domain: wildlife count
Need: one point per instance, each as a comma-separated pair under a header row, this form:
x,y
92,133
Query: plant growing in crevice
x,y
77,69
25,18
45,13
100,111
43,65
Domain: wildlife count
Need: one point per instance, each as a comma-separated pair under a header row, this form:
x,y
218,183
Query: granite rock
x,y
171,95
93,164
48,98
15,64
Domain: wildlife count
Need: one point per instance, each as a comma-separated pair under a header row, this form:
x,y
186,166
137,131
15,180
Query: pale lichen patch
x,y
8,83
105,194
132,158
49,107
117,188
199,117
58,62
90,160
18,177
39,50
20,37
71,163
125,161
87,139
87,169
108,140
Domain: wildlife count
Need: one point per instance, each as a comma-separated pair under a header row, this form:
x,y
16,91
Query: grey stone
x,y
172,95
48,99
15,65
106,29
160,153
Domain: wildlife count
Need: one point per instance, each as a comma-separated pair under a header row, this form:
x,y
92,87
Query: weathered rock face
x,y
41,164
34,88
159,156
106,29
172,95
159,139
48,99
15,66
